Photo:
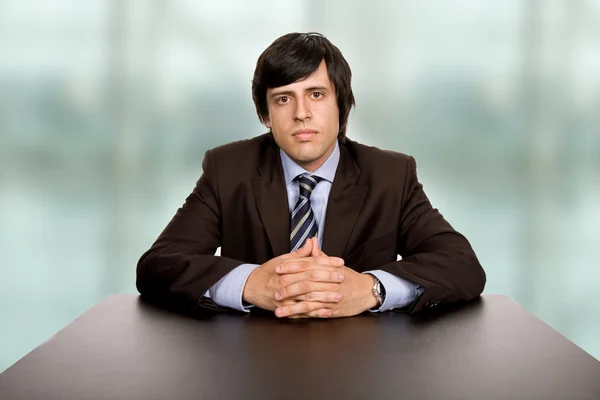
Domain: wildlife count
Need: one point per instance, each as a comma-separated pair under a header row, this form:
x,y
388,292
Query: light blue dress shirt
x,y
227,292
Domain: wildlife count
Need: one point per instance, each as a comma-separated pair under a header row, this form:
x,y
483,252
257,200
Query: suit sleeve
x,y
181,266
434,255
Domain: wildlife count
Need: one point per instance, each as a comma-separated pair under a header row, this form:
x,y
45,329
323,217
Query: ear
x,y
267,122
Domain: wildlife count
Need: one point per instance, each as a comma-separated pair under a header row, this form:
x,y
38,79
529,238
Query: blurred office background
x,y
107,108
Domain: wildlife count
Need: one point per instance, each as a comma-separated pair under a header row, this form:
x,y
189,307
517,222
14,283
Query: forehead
x,y
318,78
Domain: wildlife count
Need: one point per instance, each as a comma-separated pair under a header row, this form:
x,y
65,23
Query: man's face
x,y
304,118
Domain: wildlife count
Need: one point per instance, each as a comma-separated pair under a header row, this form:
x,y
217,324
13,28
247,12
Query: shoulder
x,y
241,156
248,149
239,161
376,160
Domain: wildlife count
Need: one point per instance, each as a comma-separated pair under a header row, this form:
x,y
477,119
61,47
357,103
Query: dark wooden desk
x,y
124,348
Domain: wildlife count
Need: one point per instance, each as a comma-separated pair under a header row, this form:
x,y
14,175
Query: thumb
x,y
316,251
303,251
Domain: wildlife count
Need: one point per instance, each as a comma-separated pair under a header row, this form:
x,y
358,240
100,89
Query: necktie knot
x,y
307,184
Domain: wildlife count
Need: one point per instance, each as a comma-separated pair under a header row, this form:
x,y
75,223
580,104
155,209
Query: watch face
x,y
380,292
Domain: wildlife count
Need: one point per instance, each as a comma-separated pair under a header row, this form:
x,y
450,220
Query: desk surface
x,y
124,348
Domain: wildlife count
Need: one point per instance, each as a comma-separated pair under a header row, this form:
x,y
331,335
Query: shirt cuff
x,y
398,291
228,291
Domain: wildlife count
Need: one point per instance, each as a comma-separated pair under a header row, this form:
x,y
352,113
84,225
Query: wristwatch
x,y
378,292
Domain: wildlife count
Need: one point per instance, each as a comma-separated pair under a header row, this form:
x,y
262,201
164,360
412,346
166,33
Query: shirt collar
x,y
326,171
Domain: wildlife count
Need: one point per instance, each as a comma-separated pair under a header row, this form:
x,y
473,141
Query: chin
x,y
308,157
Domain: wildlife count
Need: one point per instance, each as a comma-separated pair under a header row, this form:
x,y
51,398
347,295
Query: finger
x,y
322,313
332,275
304,307
320,259
322,297
290,302
301,265
287,302
298,316
303,287
337,261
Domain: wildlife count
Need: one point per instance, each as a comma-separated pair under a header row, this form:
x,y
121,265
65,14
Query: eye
x,y
317,95
283,99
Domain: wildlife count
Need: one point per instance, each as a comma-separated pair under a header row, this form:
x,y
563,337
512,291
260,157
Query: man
x,y
310,223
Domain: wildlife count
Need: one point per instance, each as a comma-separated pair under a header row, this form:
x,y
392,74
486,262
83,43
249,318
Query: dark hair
x,y
296,56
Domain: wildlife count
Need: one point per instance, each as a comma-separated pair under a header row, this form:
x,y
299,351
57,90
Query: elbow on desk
x,y
475,284
145,280
470,278
466,278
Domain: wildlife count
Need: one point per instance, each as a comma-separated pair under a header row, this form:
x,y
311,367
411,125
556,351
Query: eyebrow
x,y
289,92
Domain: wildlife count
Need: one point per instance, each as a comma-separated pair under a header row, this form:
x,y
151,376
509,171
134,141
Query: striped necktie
x,y
304,224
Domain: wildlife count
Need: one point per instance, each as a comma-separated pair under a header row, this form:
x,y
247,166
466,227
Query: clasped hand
x,y
307,283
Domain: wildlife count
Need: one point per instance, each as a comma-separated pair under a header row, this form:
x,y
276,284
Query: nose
x,y
302,110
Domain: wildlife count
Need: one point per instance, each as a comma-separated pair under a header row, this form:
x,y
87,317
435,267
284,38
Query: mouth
x,y
304,134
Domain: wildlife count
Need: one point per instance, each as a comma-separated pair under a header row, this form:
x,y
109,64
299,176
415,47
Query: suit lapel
x,y
345,201
270,195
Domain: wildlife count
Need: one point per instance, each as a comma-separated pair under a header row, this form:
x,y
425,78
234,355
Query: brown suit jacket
x,y
376,210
